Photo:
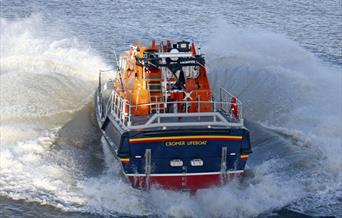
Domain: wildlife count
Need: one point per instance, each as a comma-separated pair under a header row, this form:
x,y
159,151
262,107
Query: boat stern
x,y
185,160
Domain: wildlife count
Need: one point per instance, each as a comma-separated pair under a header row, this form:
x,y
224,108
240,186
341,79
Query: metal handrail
x,y
221,115
224,91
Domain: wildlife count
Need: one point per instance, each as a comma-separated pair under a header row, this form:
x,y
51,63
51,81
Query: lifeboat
x,y
161,120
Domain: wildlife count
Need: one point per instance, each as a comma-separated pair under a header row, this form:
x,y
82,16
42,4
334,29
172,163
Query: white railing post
x,y
123,111
218,116
129,115
112,102
147,168
175,107
223,164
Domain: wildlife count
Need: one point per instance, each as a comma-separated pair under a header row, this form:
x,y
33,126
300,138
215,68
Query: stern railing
x,y
166,114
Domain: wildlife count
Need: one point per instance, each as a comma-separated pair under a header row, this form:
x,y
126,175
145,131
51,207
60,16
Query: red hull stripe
x,y
176,138
187,174
181,182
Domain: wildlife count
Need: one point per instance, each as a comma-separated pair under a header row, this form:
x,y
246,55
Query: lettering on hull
x,y
181,143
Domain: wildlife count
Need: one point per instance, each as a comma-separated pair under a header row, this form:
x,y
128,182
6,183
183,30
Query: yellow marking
x,y
185,138
244,156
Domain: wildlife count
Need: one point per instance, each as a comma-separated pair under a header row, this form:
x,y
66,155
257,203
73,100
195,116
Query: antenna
x,y
116,60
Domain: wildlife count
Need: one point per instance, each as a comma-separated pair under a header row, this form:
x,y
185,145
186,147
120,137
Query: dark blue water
x,y
283,60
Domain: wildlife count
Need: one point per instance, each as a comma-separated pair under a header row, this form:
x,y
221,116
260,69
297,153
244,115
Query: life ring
x,y
234,109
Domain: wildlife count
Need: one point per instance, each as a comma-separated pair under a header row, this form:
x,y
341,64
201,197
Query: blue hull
x,y
179,159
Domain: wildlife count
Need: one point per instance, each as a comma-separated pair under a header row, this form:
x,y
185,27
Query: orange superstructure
x,y
163,73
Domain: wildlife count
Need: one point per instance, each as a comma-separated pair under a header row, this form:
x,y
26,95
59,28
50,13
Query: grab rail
x,y
221,114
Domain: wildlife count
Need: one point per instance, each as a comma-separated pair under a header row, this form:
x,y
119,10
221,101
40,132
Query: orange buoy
x,y
234,109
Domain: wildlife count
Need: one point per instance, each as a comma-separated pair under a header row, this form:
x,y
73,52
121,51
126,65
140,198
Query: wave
x,y
45,80
288,91
292,103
